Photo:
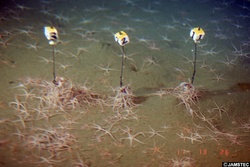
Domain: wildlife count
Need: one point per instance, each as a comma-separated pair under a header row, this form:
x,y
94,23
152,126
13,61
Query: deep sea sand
x,y
172,18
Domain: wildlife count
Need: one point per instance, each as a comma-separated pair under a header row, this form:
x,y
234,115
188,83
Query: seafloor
x,y
88,120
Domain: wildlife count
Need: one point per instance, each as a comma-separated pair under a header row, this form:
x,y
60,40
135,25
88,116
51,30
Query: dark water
x,y
159,58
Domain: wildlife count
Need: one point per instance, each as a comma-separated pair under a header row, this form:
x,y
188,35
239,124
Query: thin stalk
x,y
54,64
121,76
194,61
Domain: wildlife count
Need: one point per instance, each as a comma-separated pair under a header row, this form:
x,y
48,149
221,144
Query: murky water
x,y
47,125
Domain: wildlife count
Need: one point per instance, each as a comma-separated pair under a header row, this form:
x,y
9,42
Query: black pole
x,y
54,64
123,55
194,61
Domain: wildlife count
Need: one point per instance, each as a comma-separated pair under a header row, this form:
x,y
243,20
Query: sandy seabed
x,y
157,118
